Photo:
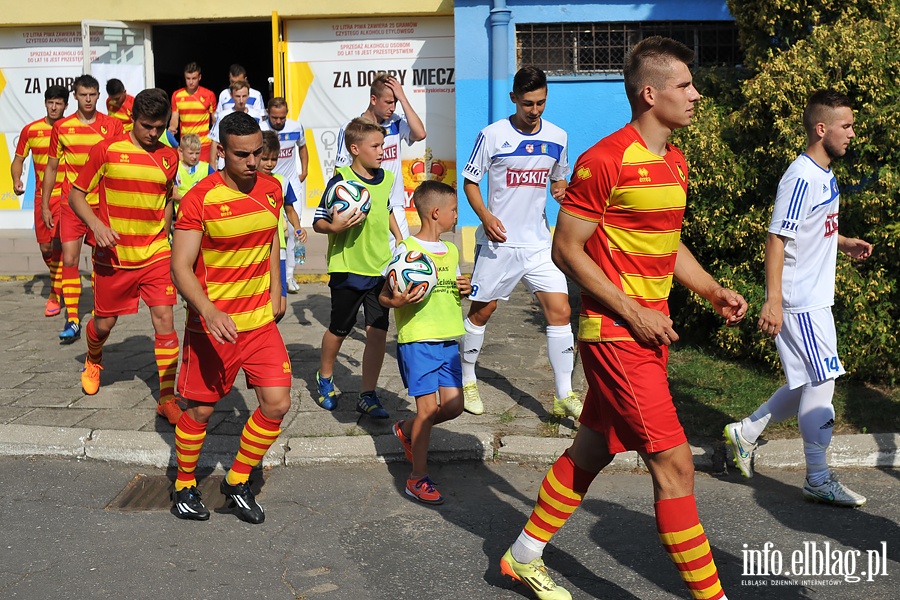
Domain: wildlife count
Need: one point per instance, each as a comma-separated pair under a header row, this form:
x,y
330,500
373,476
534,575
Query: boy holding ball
x,y
358,252
427,334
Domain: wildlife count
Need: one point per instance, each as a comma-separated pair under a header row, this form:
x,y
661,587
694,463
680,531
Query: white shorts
x,y
807,345
498,269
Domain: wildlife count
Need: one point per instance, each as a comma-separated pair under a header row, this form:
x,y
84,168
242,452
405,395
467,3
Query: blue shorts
x,y
426,366
283,277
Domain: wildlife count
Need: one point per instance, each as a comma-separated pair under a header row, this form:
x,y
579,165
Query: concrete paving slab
x,y
54,417
26,440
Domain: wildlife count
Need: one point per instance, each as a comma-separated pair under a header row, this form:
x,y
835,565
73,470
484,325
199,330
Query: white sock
x,y
470,349
783,404
561,351
816,420
525,549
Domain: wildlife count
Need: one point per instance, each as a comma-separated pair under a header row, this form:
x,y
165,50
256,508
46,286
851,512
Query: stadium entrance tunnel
x,y
215,47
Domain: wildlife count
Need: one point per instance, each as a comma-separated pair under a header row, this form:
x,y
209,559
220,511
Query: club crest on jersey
x,y
527,177
271,199
103,129
529,148
680,172
583,173
390,153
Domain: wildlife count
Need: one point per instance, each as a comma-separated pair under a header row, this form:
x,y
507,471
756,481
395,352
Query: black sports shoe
x,y
188,505
242,498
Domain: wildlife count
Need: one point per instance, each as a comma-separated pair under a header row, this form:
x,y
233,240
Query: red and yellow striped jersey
x,y
238,230
71,142
35,138
134,187
637,199
195,111
123,113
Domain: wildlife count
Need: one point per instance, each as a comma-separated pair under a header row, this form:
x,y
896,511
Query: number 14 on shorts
x,y
832,364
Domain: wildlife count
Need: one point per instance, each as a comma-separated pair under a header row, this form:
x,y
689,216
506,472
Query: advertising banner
x,y
31,59
330,66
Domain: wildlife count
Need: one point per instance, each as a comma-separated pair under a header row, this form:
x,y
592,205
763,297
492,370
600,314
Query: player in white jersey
x,y
254,100
521,155
801,252
384,96
293,147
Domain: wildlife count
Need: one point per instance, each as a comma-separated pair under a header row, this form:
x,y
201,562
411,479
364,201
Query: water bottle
x,y
299,252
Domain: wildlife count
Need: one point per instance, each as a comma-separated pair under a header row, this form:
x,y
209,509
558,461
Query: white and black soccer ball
x,y
412,270
346,195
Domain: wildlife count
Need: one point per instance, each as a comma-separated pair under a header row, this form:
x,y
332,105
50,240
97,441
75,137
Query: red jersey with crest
x,y
238,230
35,138
637,199
134,187
71,141
123,113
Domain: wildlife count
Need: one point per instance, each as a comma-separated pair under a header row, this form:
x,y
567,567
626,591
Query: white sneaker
x,y
293,286
740,448
472,399
834,492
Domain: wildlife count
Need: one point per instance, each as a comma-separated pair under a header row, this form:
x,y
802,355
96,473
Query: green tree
x,y
745,137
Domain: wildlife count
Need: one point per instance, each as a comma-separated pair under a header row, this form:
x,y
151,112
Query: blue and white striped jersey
x,y
519,167
290,137
806,214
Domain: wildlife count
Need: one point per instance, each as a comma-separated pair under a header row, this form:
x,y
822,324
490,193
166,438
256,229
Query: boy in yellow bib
x,y
428,331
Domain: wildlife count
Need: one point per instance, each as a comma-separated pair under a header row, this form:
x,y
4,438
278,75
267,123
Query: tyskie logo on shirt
x,y
286,153
390,153
527,177
831,225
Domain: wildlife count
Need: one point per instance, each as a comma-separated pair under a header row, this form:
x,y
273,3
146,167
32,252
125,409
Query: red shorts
x,y
118,291
71,228
208,369
628,399
44,235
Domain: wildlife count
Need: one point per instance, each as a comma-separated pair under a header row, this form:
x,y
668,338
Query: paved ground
x,y
348,532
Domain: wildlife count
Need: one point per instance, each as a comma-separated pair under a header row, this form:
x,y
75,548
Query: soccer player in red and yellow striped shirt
x,y
135,175
193,107
70,142
618,237
35,139
225,263
119,103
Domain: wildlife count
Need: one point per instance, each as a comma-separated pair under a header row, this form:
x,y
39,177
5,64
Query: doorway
x,y
215,47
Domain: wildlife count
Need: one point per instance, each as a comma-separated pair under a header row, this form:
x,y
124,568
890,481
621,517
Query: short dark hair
x,y
114,86
529,79
86,81
237,123
192,67
152,104
277,102
57,92
430,194
647,62
237,70
820,107
271,145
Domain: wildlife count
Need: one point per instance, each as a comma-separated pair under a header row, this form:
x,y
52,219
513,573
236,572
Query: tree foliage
x,y
747,133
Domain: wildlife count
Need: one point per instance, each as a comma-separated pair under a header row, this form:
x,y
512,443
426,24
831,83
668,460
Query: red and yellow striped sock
x,y
561,493
165,347
56,274
94,343
682,536
71,291
258,436
189,436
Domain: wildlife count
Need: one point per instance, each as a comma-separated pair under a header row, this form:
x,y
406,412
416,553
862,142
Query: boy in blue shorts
x,y
427,335
358,252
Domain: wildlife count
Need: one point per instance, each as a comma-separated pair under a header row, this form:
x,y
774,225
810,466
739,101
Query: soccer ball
x,y
414,270
346,195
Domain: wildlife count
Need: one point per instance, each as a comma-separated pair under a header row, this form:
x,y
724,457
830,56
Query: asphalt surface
x,y
350,532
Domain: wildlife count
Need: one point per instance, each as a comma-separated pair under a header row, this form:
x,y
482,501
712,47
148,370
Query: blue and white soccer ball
x,y
412,270
346,195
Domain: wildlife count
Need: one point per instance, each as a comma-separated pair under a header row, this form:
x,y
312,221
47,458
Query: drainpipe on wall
x,y
500,17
